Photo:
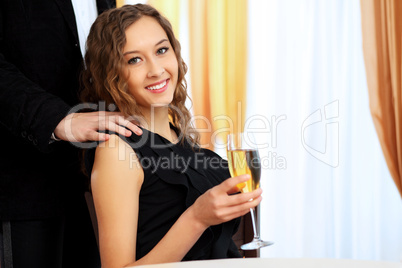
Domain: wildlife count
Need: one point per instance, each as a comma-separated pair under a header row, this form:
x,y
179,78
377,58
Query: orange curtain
x,y
171,10
218,64
381,27
120,3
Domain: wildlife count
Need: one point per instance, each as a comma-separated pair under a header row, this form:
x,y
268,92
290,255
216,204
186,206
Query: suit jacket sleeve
x,y
26,109
40,62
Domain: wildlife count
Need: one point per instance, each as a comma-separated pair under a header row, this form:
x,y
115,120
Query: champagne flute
x,y
244,159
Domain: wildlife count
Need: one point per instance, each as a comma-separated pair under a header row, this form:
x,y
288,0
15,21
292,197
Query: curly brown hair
x,y
105,75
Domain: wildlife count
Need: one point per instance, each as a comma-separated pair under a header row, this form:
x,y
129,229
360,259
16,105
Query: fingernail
x,y
138,132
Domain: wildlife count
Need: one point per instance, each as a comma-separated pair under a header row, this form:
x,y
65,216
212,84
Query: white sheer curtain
x,y
327,189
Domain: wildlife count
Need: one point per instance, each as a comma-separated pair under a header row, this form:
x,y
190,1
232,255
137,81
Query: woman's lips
x,y
158,87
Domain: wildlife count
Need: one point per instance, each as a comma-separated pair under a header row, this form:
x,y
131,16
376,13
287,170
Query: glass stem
x,y
256,235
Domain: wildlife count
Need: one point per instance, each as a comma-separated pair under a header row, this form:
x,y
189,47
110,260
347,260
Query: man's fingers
x,y
134,128
114,127
115,122
117,118
96,136
103,137
82,127
124,122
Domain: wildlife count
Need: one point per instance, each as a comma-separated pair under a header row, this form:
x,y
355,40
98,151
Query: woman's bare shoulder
x,y
116,159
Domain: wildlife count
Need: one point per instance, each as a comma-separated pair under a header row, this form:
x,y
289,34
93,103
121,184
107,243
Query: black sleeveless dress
x,y
175,175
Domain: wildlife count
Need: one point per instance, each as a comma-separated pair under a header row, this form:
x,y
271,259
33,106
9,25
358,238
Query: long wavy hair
x,y
105,75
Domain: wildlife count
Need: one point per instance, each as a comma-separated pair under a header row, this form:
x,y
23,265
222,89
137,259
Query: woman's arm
x,y
116,182
213,207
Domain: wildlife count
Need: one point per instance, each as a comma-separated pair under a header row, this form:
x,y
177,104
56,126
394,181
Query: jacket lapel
x,y
66,8
103,5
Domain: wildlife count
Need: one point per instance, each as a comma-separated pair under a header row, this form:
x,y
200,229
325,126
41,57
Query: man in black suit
x,y
42,207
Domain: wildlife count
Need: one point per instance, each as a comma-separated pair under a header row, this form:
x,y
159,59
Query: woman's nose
x,y
155,68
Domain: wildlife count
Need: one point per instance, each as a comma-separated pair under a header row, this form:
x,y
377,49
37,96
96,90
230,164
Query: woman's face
x,y
152,64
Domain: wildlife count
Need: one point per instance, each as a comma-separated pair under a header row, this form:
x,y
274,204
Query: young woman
x,y
158,197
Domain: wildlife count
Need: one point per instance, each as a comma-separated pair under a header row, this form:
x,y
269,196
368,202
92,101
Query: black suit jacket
x,y
40,62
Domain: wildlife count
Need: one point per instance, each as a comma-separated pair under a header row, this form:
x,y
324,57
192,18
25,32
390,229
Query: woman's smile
x,y
158,87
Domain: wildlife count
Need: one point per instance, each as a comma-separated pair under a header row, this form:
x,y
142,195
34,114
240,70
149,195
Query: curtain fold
x,y
381,29
171,10
120,3
218,62
198,64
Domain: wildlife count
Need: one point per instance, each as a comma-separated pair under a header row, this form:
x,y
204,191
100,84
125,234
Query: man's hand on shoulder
x,y
82,127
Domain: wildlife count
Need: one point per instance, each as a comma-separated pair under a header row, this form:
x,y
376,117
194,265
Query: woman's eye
x,y
134,60
162,50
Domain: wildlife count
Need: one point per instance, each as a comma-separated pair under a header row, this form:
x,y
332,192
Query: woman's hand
x,y
81,127
217,205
